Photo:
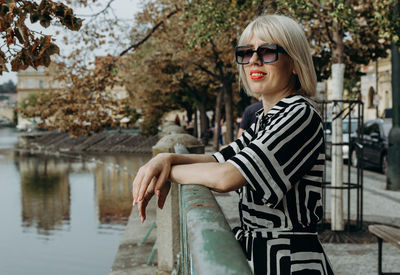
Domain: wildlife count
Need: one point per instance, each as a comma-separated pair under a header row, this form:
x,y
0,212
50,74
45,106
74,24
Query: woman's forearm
x,y
190,158
220,177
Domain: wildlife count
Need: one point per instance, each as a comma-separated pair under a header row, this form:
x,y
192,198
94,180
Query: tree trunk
x,y
189,113
217,115
228,110
338,66
203,119
195,125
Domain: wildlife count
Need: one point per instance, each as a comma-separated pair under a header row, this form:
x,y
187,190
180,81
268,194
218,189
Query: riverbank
x,y
54,142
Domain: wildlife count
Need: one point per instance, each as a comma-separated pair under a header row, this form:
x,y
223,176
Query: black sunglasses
x,y
267,53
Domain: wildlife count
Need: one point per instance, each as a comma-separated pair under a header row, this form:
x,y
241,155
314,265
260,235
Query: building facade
x,y
31,81
376,88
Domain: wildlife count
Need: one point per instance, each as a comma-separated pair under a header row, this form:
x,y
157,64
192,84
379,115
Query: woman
x,y
276,165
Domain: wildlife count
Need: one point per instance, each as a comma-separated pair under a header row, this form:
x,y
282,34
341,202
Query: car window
x,y
346,126
366,129
328,125
387,125
375,129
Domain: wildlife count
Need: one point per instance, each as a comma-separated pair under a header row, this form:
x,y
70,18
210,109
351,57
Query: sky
x,y
124,9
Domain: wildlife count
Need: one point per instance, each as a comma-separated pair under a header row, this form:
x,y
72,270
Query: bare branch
x,y
216,54
207,71
329,34
190,88
134,46
100,12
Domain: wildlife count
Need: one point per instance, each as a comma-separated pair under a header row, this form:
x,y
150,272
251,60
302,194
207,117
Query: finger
x,y
163,194
162,178
150,190
142,209
136,185
147,197
143,186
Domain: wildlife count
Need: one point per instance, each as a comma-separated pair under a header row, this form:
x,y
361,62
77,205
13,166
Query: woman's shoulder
x,y
298,104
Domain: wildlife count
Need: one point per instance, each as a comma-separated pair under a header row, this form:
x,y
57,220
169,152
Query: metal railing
x,y
351,110
208,245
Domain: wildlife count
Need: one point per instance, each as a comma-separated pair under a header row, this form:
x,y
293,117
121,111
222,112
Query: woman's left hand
x,y
142,205
151,177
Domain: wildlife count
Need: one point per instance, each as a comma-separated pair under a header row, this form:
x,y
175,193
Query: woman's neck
x,y
270,101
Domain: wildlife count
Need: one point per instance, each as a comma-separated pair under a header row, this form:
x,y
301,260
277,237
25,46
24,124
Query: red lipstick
x,y
256,74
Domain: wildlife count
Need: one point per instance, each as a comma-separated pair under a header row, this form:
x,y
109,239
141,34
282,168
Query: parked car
x,y
346,127
374,141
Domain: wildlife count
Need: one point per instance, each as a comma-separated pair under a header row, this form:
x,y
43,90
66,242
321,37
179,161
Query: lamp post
x,y
393,171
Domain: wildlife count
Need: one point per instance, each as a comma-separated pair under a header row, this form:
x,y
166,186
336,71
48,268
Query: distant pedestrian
x,y
223,129
177,121
249,117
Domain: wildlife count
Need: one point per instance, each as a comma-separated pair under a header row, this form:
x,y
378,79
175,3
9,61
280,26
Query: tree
x,y
217,26
85,84
391,28
85,105
25,47
163,72
8,88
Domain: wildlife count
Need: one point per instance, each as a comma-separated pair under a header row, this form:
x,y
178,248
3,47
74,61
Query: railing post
x,y
168,223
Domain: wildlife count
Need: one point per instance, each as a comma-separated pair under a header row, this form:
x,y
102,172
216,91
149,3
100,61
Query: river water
x,y
62,214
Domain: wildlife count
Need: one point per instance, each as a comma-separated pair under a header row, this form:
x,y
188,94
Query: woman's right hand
x,y
157,169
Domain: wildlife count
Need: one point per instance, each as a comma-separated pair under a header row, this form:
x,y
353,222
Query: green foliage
x,y
352,87
387,16
131,113
213,18
8,88
30,101
340,31
32,105
149,126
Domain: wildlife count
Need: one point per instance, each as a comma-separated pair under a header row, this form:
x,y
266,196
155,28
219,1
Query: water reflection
x,y
45,188
45,194
113,193
62,214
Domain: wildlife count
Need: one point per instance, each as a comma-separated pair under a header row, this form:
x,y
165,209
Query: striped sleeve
x,y
282,154
237,145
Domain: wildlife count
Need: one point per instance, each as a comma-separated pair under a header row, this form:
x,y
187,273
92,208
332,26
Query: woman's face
x,y
269,79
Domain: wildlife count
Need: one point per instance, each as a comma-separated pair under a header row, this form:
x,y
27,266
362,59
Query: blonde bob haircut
x,y
287,33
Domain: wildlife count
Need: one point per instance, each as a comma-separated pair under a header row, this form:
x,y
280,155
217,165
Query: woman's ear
x,y
294,71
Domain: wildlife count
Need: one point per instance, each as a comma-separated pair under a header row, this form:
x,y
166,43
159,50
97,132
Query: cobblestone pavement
x,y
362,259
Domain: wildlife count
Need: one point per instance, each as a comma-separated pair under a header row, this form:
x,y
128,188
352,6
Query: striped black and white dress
x,y
282,158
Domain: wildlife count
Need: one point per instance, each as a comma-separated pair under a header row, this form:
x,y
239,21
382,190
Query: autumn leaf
x,y
10,37
45,20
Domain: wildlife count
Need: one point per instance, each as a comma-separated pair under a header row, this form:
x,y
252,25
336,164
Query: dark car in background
x,y
373,139
349,127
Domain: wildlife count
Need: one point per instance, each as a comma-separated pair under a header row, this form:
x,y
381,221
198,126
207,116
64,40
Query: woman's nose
x,y
255,59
